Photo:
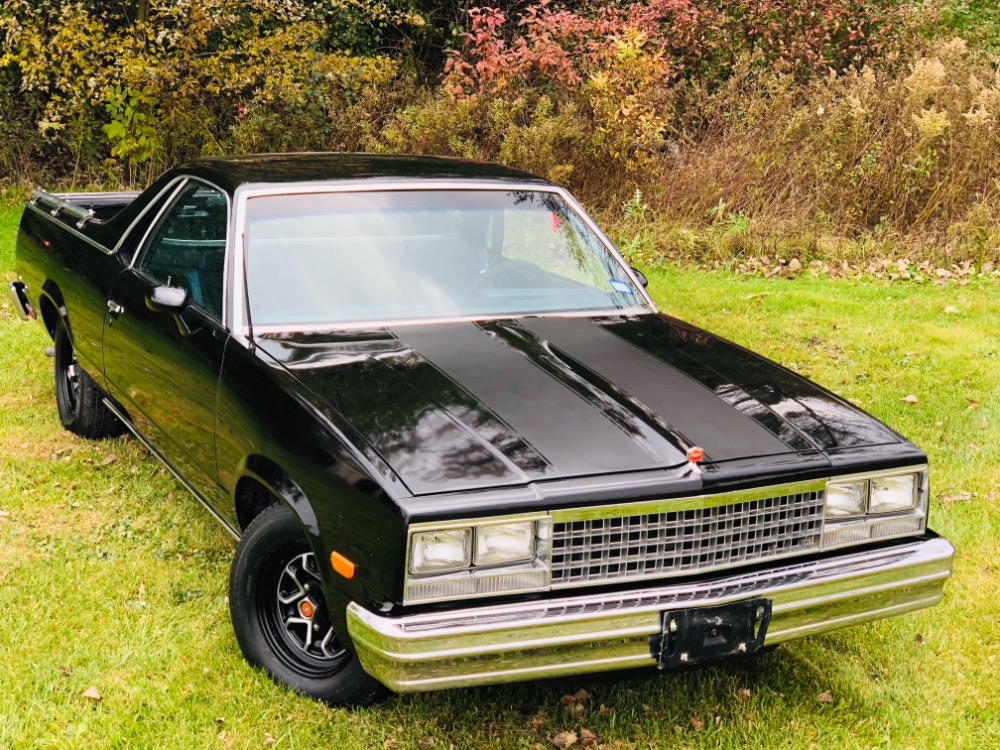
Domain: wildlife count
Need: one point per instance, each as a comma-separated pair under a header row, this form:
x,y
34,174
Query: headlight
x,y
884,505
894,494
845,499
438,551
482,557
505,543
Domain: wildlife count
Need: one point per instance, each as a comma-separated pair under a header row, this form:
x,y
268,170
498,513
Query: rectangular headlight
x,y
884,505
440,551
846,499
894,494
481,557
505,543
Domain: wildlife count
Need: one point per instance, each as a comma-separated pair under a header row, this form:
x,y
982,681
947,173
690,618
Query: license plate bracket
x,y
689,637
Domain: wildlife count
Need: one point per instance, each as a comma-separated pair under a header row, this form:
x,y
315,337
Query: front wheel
x,y
280,616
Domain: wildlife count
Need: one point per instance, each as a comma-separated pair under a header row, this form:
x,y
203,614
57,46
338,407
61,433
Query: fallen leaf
x,y
743,694
794,264
268,739
92,693
220,719
825,697
973,404
603,710
428,742
919,638
537,722
951,310
588,738
227,739
110,459
582,695
564,740
697,724
911,399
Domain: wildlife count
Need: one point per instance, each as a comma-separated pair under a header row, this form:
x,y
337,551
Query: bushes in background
x,y
744,124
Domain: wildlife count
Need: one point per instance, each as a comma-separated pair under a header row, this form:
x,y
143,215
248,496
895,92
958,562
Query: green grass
x,y
112,576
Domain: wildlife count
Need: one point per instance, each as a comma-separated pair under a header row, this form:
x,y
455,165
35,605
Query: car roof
x,y
232,172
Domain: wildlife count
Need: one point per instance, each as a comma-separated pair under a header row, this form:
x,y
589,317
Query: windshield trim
x,y
367,325
244,329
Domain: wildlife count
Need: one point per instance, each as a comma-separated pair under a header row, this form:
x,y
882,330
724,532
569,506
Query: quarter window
x,y
188,248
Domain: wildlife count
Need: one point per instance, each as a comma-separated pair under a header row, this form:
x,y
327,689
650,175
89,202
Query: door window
x,y
188,248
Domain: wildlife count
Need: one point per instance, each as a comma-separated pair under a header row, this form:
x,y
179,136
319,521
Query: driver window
x,y
188,248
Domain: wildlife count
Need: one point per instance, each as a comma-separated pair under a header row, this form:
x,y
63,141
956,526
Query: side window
x,y
188,248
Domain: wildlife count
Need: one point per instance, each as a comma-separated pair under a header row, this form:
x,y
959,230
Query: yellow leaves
x,y
931,124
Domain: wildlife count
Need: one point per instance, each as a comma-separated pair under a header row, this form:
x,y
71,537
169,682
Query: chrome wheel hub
x,y
302,610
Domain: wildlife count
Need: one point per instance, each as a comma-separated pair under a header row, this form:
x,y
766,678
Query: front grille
x,y
685,541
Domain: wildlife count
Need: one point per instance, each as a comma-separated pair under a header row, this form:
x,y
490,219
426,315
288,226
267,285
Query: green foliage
x,y
132,131
976,20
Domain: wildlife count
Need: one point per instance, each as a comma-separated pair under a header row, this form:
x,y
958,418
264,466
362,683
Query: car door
x,y
163,365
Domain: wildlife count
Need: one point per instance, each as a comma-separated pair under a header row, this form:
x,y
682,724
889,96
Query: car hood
x,y
458,406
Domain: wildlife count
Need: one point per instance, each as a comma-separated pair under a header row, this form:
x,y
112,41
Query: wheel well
x,y
252,499
50,316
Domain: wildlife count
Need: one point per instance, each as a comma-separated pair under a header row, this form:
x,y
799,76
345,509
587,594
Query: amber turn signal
x,y
695,454
342,565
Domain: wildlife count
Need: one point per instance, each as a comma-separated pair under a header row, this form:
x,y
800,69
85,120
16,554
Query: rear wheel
x,y
280,615
79,399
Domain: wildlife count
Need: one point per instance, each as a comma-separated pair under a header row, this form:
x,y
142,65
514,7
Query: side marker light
x,y
695,454
342,565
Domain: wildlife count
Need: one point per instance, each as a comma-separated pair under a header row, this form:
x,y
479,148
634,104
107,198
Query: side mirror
x,y
640,276
168,299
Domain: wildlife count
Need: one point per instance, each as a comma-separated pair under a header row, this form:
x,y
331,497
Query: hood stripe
x,y
570,433
692,409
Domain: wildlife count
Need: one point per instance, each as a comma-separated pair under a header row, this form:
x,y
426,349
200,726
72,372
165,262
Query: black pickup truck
x,y
457,442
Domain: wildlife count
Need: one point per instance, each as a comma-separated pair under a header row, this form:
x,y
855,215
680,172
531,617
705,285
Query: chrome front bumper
x,y
574,635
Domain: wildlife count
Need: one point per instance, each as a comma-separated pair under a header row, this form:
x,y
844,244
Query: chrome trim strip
x,y
179,183
916,468
585,634
146,209
149,446
698,502
72,230
19,300
242,330
365,325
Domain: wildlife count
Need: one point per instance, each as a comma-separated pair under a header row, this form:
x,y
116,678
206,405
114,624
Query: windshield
x,y
394,255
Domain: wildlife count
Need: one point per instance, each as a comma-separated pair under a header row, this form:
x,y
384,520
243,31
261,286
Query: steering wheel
x,y
507,273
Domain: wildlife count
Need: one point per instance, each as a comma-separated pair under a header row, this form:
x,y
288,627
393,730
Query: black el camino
x,y
455,439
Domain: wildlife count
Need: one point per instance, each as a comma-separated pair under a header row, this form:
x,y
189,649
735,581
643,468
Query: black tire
x,y
272,577
79,399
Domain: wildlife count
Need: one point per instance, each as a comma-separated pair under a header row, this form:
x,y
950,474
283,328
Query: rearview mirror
x,y
640,276
168,299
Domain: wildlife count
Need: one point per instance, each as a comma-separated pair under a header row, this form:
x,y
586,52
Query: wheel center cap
x,y
307,609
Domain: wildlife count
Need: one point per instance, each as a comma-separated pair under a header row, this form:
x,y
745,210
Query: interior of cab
x,y
188,248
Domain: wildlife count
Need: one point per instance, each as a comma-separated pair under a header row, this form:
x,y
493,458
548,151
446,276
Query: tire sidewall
x,y
275,530
69,414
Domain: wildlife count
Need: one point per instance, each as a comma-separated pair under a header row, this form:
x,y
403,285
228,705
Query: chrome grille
x,y
685,541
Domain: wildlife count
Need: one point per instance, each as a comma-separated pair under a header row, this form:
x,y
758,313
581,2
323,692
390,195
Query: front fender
x,y
324,534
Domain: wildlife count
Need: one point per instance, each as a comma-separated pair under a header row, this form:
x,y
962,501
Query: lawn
x,y
113,577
